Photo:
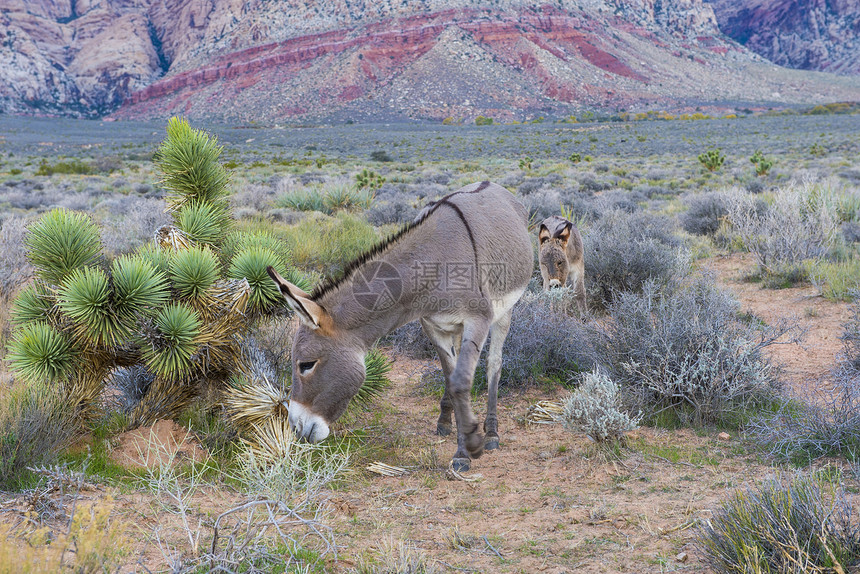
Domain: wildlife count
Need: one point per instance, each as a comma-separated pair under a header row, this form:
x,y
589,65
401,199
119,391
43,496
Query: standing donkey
x,y
561,257
459,268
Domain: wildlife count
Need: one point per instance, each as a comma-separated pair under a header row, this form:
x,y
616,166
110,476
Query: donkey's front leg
x,y
469,440
498,334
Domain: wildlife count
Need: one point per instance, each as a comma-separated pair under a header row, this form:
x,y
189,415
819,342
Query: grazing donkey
x,y
459,268
561,257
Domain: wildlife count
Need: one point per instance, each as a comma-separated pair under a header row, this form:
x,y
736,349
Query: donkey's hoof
x,y
491,443
461,464
443,429
475,445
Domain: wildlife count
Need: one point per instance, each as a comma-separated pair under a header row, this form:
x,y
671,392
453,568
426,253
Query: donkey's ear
x,y
543,234
564,234
299,301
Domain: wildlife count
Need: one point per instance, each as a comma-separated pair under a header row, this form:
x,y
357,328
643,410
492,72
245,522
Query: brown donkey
x,y
561,257
459,268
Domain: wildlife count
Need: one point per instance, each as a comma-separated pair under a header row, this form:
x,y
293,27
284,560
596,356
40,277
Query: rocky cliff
x,y
281,59
804,34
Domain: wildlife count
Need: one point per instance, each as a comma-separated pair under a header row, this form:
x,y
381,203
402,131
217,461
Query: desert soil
x,y
548,500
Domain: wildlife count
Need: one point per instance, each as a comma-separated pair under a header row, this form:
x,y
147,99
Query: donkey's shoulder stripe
x,y
331,283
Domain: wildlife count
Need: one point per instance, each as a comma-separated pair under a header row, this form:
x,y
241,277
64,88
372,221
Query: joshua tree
x,y
178,309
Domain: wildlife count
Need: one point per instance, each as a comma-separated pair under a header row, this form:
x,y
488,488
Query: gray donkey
x,y
561,257
459,268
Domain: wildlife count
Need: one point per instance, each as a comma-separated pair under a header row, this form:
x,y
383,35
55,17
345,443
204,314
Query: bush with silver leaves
x,y
594,408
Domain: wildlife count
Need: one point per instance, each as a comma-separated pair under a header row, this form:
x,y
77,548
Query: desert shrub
x,y
380,155
302,199
545,340
533,184
624,251
825,420
683,348
15,269
344,197
589,182
125,232
35,425
542,203
326,244
396,557
411,341
799,225
617,199
593,408
394,208
836,280
705,212
850,231
801,525
64,167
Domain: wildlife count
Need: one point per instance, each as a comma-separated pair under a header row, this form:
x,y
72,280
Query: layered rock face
x,y
819,35
283,59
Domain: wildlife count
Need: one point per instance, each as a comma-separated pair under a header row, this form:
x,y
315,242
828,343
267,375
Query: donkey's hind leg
x,y
498,334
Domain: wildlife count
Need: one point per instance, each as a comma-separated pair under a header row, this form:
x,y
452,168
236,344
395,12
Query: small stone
x,y
724,436
545,455
682,557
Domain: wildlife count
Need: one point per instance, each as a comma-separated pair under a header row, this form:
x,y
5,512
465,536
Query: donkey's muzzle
x,y
306,424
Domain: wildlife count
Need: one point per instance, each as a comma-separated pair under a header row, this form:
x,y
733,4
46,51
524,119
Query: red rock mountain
x,y
278,60
819,35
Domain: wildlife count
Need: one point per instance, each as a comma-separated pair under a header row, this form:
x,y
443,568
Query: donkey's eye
x,y
306,367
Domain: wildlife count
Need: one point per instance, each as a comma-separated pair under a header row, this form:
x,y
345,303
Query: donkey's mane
x,y
331,284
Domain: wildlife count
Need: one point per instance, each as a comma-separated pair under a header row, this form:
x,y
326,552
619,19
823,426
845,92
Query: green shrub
x,y
483,121
302,199
836,280
70,167
35,426
799,526
325,244
369,179
712,159
761,163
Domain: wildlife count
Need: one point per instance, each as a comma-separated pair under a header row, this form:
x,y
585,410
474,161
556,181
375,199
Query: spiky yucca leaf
x,y
240,240
168,348
376,381
139,288
203,222
34,303
40,352
165,399
188,158
251,264
272,440
252,402
301,280
193,271
85,298
60,242
156,255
